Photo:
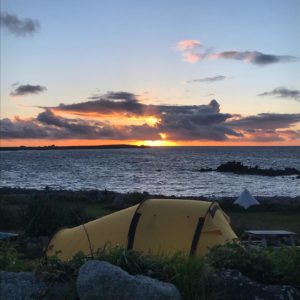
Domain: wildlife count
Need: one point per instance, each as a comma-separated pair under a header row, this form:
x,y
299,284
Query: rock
x,y
237,286
237,167
206,170
27,286
101,280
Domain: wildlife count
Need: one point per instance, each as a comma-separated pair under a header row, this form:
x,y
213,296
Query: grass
x,y
42,213
193,276
18,207
268,216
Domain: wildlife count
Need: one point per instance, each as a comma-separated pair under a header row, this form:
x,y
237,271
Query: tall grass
x,y
43,217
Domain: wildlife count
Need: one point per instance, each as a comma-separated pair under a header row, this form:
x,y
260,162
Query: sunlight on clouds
x,y
152,121
163,135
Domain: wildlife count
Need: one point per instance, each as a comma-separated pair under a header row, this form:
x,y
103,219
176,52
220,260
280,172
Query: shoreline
x,y
92,194
53,147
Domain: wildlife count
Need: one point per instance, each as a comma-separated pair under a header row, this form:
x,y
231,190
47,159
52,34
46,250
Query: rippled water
x,y
168,171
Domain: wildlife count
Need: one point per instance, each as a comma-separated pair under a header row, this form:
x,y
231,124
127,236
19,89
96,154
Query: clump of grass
x,y
11,260
270,266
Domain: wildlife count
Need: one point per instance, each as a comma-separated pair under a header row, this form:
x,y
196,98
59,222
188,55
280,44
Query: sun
x,y
156,143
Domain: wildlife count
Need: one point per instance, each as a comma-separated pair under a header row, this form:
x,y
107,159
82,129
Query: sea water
x,y
159,170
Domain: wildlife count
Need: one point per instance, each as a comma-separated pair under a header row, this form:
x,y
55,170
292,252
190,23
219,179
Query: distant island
x,y
53,147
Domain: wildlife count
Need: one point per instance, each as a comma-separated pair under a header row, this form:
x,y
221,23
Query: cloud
x,y
265,127
185,122
18,128
18,27
27,89
108,104
282,92
266,121
202,122
191,55
291,134
208,79
187,45
188,122
47,125
253,57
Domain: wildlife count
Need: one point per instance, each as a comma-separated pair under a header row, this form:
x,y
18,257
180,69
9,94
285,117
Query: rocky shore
x,y
237,167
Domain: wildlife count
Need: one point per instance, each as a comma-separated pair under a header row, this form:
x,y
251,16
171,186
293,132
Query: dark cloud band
x,y
187,122
254,57
282,92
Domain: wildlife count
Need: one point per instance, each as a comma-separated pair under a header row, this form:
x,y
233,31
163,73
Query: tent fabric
x,y
246,199
155,226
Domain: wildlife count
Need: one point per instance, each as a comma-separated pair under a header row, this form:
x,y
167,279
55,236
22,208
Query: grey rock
x,y
235,286
28,286
103,281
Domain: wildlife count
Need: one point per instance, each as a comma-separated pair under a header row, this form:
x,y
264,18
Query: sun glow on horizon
x,y
156,143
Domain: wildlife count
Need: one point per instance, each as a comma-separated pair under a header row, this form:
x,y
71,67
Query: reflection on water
x,y
168,171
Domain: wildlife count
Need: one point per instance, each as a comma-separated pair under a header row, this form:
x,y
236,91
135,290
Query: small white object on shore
x,y
246,199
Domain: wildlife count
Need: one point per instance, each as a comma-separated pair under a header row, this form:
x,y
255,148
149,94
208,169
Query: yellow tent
x,y
156,225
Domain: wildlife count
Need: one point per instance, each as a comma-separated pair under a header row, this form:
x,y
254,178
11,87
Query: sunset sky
x,y
150,72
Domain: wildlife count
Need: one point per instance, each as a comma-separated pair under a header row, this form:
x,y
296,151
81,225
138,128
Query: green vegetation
x,y
40,213
266,265
193,276
37,213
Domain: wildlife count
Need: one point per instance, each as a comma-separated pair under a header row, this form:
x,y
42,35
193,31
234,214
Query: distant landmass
x,y
53,147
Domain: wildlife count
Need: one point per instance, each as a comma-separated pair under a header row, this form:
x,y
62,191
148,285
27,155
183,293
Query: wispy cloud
x,y
191,57
208,79
27,89
188,45
191,54
282,92
253,57
16,26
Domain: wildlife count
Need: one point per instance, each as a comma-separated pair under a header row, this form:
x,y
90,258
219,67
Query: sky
x,y
157,73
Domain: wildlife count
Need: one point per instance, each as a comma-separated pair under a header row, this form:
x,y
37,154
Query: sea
x,y
158,170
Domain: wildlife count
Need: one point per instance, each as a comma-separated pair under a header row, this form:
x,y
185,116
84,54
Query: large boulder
x,y
28,286
235,286
103,281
